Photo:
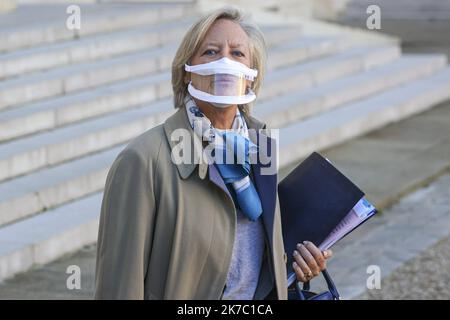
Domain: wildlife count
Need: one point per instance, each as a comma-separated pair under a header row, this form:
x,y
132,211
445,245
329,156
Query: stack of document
x,y
319,204
359,213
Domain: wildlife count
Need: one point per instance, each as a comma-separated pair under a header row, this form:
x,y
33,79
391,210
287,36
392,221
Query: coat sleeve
x,y
125,228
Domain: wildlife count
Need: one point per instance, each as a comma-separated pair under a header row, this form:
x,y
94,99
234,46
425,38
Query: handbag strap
x,y
330,284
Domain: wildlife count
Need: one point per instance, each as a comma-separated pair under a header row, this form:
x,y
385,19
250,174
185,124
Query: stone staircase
x,y
417,10
70,101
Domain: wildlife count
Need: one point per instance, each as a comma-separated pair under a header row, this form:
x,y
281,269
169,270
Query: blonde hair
x,y
194,37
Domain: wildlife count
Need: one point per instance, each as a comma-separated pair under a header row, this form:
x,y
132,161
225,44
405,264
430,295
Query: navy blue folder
x,y
314,198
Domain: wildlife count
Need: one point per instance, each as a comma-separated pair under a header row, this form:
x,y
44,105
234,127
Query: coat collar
x,y
179,120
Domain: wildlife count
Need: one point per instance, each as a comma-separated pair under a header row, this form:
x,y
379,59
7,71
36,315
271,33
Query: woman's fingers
x,y
316,253
298,272
312,264
309,260
301,268
307,272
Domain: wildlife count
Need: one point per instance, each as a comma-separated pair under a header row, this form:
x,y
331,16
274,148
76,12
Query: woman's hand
x,y
309,261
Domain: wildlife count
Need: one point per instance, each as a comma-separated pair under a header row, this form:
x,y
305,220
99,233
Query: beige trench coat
x,y
167,231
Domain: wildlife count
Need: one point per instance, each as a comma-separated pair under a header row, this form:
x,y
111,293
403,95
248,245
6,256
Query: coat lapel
x,y
179,120
267,189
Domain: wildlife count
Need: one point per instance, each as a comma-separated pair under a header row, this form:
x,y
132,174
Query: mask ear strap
x,y
249,87
187,76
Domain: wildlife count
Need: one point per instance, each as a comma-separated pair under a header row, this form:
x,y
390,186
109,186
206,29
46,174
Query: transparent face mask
x,y
222,82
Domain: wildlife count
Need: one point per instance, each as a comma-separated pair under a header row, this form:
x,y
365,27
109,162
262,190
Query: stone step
x,y
298,105
346,122
306,48
402,5
56,146
318,71
399,10
55,232
20,202
112,44
50,187
89,48
40,85
79,106
43,24
387,14
49,235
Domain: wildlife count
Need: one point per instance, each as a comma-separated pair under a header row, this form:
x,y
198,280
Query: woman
x,y
172,229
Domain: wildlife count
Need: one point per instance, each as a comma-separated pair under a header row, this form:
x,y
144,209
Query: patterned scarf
x,y
223,142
